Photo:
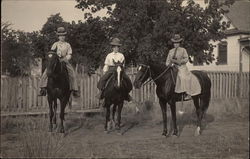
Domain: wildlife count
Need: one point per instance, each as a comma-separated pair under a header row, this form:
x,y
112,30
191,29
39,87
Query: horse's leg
x,y
55,112
107,106
173,114
51,114
204,103
62,112
120,105
113,115
164,115
196,100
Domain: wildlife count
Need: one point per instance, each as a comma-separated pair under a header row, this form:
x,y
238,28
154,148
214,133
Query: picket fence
x,y
19,95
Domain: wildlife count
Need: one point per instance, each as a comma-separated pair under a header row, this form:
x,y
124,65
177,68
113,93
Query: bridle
x,y
54,65
156,78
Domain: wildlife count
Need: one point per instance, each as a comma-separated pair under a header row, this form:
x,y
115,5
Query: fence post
x,y
239,85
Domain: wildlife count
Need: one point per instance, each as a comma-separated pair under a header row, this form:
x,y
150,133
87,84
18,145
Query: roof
x,y
239,15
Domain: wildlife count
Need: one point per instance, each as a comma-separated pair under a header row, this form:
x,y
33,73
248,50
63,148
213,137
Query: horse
x,y
114,95
164,77
57,88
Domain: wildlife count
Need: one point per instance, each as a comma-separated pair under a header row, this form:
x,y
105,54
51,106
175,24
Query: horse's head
x,y
142,75
53,60
154,70
119,71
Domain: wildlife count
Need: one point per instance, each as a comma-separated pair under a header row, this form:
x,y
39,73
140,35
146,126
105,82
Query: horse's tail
x,y
205,83
207,96
206,100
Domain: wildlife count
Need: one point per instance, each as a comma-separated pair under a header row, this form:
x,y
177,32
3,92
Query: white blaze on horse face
x,y
118,75
50,55
139,68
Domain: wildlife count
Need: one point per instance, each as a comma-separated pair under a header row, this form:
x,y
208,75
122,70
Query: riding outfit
x,y
186,82
109,68
64,51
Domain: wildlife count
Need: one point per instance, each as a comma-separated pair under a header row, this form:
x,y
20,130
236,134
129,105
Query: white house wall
x,y
233,52
245,62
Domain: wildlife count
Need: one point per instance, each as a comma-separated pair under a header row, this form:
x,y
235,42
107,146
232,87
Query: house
x,y
233,52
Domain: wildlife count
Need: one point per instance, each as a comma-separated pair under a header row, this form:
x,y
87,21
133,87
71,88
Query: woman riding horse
x,y
112,57
58,88
114,85
179,57
165,78
64,51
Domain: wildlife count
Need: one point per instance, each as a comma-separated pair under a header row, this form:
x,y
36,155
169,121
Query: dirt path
x,y
85,138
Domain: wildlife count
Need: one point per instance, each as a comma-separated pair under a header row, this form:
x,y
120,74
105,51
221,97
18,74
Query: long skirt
x,y
187,82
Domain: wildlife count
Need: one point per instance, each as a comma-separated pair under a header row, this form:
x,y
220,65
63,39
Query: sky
x,y
30,15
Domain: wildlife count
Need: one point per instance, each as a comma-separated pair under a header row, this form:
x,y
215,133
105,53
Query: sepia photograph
x,y
143,79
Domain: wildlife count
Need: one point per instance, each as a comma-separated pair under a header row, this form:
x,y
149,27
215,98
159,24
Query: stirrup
x,y
128,98
42,92
187,97
76,93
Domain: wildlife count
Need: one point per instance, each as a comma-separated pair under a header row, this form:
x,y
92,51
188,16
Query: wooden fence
x,y
19,95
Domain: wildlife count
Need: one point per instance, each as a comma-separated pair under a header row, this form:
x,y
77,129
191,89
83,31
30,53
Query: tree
x,y
146,26
16,52
88,39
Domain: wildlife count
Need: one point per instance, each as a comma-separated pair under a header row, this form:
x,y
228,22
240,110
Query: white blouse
x,y
113,56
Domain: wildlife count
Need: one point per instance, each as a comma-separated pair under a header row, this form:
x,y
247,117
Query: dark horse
x,y
114,94
57,88
164,78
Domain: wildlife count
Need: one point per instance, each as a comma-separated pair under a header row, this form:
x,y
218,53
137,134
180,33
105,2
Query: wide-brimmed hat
x,y
61,31
51,52
176,39
115,42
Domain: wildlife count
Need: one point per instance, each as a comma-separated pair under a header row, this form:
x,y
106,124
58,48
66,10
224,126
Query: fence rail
x,y
19,95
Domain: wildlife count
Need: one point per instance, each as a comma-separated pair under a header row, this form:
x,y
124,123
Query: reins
x,y
59,62
148,69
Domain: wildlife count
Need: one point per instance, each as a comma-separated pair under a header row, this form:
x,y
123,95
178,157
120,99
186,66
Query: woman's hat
x,y
51,52
115,42
176,39
61,31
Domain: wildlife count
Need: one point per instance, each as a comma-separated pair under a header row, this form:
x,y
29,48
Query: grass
x,y
33,139
224,137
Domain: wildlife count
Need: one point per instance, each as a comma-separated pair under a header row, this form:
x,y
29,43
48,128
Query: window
x,y
222,53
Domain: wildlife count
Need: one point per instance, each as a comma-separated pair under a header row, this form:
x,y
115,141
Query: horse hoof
x,y
109,127
106,131
50,128
60,130
175,134
54,126
117,127
119,133
197,131
164,133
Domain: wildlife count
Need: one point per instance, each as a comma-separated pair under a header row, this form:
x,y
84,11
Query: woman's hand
x,y
68,57
176,61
